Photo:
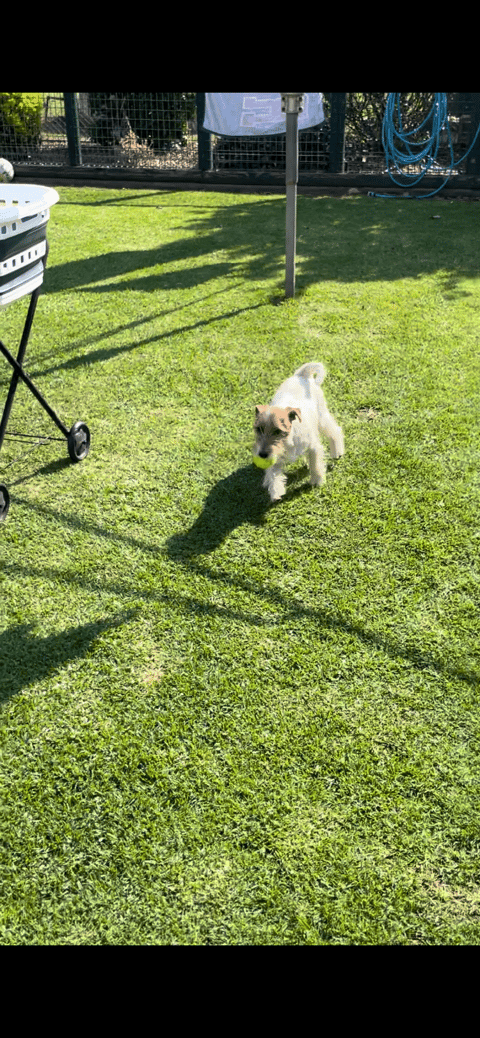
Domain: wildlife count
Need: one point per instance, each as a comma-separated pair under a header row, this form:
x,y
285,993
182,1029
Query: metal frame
x,y
78,437
292,105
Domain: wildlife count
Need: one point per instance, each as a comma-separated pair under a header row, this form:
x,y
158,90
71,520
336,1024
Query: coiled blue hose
x,y
401,151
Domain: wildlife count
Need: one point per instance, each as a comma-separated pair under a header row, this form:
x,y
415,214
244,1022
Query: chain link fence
x,y
163,132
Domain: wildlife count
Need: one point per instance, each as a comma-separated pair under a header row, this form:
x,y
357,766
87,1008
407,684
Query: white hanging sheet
x,y
248,115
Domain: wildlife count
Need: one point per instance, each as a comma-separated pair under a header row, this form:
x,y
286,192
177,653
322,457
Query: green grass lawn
x,y
225,722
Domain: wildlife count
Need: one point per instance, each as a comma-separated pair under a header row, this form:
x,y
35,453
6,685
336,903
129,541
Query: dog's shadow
x,y
233,501
238,499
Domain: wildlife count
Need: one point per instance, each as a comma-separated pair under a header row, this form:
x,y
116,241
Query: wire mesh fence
x,y
161,131
364,151
122,130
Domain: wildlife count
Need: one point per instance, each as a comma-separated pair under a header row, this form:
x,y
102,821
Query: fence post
x,y
337,133
204,138
471,107
73,130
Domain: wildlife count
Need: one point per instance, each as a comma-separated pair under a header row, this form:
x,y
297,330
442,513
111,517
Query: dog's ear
x,y
295,412
260,409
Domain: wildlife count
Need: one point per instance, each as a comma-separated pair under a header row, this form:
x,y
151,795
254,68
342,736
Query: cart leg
x,y
21,354
18,372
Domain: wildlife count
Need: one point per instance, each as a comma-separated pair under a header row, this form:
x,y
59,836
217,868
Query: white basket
x,y
23,285
24,214
25,200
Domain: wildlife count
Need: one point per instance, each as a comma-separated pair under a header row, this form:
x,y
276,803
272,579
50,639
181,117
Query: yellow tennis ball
x,y
264,463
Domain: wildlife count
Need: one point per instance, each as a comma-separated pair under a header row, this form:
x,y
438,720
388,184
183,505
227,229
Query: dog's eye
x,y
260,429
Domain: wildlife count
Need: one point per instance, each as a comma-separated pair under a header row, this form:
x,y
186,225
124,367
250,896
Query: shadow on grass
x,y
106,353
237,499
25,658
344,240
341,240
50,469
232,502
416,654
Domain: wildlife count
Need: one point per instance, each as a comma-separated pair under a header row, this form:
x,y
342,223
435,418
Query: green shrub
x,y
20,121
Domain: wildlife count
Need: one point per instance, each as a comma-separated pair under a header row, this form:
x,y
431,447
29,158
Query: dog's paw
x,y
337,448
275,482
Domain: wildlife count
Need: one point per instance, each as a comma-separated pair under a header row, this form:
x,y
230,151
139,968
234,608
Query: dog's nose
x,y
263,454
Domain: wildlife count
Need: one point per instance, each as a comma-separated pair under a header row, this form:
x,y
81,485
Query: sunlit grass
x,y
225,722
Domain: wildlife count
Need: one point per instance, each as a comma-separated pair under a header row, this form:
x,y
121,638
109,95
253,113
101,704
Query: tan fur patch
x,y
272,426
275,419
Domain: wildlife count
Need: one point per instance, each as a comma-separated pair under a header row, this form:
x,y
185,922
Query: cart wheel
x,y
78,441
4,502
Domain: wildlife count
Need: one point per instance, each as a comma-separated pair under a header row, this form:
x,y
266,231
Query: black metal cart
x,y
24,214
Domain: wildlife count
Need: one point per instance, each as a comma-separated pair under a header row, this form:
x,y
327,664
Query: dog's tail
x,y
315,368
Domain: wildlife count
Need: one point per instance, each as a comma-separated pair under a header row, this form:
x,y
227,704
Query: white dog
x,y
289,427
